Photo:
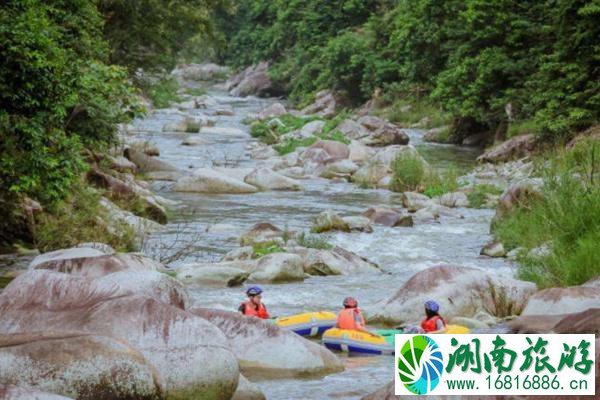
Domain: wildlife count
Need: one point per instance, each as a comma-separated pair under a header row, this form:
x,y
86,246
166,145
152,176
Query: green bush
x,y
438,184
289,145
478,196
78,219
262,249
269,131
163,92
409,173
566,217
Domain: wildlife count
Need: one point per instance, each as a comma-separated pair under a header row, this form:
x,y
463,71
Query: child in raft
x,y
254,307
351,317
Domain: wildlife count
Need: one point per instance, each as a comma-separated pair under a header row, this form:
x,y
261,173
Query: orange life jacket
x,y
347,319
430,325
252,310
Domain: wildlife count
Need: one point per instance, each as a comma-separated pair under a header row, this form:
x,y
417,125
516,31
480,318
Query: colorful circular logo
x,y
420,364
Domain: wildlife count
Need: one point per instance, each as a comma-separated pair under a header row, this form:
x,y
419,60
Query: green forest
x,y
72,70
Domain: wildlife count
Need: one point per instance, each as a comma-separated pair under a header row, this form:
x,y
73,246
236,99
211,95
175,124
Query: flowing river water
x,y
399,251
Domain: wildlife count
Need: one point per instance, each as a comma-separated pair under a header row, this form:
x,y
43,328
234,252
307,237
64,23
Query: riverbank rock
x,y
325,105
516,147
253,81
266,179
336,150
518,194
267,351
370,174
189,354
92,263
358,224
206,180
77,365
274,110
341,168
116,216
336,261
262,232
147,163
562,300
460,291
415,201
382,132
359,153
277,268
493,249
329,221
438,135
454,199
352,129
219,274
387,216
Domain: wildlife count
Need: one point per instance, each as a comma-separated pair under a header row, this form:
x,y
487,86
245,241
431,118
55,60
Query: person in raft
x,y
254,306
432,322
351,317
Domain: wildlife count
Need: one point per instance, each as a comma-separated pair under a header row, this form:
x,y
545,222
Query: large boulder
x,y
334,262
359,153
516,147
370,174
329,221
460,291
312,128
116,216
340,168
206,180
255,81
247,390
266,179
358,224
587,321
563,300
147,163
78,365
336,150
92,263
190,355
219,274
265,350
14,392
493,249
382,132
277,268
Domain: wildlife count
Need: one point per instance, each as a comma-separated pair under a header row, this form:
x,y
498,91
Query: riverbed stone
x,y
147,163
189,354
266,351
312,128
460,291
387,216
370,174
336,261
19,392
116,216
267,179
415,201
278,268
359,153
358,224
200,72
255,81
382,132
222,130
339,168
567,300
329,221
493,249
241,253
261,232
247,390
325,105
454,199
352,129
206,180
78,365
219,274
336,150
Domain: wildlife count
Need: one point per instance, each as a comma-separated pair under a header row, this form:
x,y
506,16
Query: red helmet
x,y
350,302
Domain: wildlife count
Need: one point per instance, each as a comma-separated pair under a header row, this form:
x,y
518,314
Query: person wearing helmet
x,y
254,307
433,322
351,317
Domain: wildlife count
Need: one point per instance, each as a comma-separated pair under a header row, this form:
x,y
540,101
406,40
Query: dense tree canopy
x,y
471,57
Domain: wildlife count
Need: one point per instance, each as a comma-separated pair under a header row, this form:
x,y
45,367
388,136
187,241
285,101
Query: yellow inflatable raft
x,y
308,324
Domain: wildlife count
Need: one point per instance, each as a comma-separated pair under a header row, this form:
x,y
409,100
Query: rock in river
x,y
206,180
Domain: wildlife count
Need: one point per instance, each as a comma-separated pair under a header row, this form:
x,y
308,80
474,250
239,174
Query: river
x,y
399,251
